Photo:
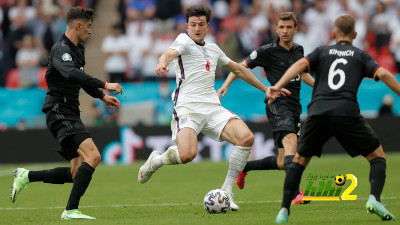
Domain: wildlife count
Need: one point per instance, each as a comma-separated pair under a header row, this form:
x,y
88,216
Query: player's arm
x,y
307,79
387,77
111,101
240,71
275,91
231,77
164,60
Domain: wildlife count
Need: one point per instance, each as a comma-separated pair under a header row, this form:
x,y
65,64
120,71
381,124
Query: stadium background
x,y
149,27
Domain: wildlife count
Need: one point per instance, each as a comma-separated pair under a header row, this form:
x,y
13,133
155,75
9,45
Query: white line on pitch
x,y
161,204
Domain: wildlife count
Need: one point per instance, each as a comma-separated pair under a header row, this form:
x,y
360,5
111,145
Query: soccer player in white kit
x,y
197,106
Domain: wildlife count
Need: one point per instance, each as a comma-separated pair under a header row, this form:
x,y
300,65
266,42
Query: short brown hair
x,y
287,16
198,10
78,13
345,25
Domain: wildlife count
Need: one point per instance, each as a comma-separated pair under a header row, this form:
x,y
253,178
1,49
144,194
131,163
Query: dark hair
x,y
78,13
198,10
345,25
287,16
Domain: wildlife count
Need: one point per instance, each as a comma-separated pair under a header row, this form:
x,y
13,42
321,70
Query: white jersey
x,y
195,71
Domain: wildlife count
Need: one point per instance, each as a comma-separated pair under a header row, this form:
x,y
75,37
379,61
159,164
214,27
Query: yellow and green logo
x,y
321,188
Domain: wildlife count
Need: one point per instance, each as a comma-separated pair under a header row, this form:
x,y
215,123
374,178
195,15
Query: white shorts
x,y
207,118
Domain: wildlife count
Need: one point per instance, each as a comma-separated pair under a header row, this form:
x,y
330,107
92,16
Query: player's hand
x,y
114,87
273,93
111,101
161,69
223,90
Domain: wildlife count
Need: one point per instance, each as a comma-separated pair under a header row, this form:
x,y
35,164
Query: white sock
x,y
237,161
169,157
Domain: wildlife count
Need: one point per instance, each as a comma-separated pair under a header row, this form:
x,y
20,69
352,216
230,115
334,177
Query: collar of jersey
x,y
196,42
344,42
69,42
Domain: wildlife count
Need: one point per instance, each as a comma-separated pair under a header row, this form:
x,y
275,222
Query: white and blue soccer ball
x,y
216,201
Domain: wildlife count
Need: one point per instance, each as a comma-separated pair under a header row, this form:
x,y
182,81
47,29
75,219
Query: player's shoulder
x,y
61,46
297,46
182,37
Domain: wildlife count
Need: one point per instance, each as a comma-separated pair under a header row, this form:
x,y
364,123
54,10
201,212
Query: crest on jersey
x,y
253,55
66,57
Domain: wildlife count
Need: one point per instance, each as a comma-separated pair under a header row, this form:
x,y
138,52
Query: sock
x,y
59,175
292,182
286,161
237,161
267,163
169,157
81,182
377,176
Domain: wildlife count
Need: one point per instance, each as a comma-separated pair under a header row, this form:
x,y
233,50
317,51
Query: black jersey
x,y
65,76
275,60
339,69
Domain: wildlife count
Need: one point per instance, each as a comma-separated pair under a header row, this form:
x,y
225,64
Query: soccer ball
x,y
216,201
340,180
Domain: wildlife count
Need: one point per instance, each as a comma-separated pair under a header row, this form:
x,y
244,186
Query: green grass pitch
x,y
174,195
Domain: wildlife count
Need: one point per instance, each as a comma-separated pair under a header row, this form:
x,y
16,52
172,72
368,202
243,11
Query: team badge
x,y
66,57
253,55
183,120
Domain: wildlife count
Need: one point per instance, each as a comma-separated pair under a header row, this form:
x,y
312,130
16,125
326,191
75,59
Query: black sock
x,y
81,182
292,182
286,161
267,163
59,175
377,176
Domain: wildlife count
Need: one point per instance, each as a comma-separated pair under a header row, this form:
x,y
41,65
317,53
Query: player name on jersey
x,y
341,53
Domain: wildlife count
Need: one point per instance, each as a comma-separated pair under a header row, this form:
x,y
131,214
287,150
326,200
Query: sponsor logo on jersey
x,y
253,55
66,57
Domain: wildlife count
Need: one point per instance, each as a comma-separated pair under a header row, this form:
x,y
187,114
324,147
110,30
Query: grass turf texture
x,y
174,195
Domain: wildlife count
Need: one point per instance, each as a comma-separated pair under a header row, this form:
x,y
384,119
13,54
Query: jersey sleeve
x,y
180,43
94,92
222,58
258,57
370,66
312,59
63,62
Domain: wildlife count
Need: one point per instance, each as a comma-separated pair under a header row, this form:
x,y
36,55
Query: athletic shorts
x,y
284,120
207,118
67,127
354,134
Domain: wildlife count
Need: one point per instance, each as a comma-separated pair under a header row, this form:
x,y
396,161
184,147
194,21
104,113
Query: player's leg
x,y
237,133
377,176
291,185
185,152
357,138
59,175
84,165
314,136
268,163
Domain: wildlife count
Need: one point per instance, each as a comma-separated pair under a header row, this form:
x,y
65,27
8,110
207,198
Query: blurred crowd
x,y
147,27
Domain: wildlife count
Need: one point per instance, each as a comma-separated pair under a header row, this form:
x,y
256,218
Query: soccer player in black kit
x,y
334,112
65,77
283,114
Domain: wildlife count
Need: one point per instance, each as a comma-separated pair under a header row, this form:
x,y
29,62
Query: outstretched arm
x,y
307,79
388,78
231,77
240,71
162,66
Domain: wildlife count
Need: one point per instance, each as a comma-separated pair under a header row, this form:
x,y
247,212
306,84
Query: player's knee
x,y
247,140
187,157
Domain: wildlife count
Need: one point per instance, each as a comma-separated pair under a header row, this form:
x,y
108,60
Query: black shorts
x,y
67,127
284,120
353,133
